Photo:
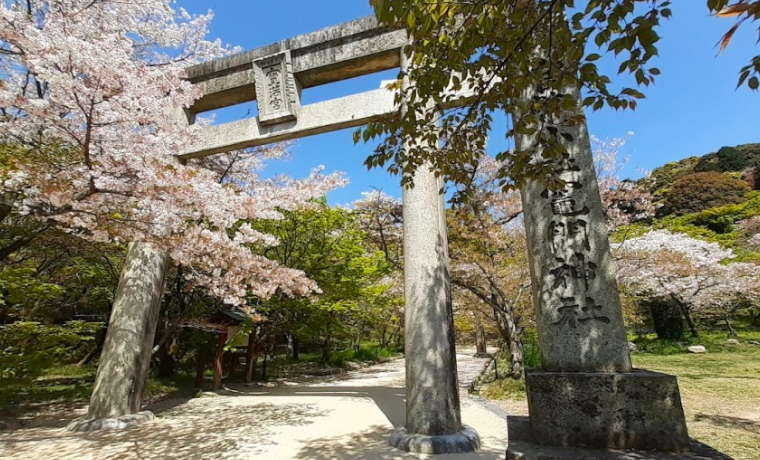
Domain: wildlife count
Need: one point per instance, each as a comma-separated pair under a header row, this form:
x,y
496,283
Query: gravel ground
x,y
348,416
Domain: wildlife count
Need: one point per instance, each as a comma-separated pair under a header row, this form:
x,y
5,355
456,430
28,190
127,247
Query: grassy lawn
x,y
721,396
720,391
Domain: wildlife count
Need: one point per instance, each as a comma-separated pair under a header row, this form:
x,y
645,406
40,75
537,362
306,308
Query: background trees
x,y
328,246
698,277
703,190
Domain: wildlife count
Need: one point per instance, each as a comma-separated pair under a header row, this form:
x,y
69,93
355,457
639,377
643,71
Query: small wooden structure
x,y
227,323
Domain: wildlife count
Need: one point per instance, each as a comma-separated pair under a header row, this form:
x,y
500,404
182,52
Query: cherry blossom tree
x,y
381,218
489,256
624,201
698,276
88,106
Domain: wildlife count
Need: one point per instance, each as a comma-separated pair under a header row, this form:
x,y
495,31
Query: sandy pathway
x,y
349,416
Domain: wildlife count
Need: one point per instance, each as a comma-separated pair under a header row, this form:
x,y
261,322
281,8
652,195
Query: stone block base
x,y
522,446
635,410
465,440
118,423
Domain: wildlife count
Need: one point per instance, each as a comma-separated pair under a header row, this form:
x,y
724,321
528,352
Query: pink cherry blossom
x,y
90,93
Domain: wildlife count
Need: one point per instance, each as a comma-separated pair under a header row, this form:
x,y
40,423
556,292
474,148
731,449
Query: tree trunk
x,y
357,344
689,319
296,353
731,330
218,363
100,339
125,360
264,366
508,330
250,357
481,350
326,350
166,361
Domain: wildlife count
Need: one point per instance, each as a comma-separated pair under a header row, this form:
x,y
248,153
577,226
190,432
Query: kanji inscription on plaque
x,y
276,90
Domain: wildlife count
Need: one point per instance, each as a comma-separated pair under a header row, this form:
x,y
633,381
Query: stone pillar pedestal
x,y
607,410
125,360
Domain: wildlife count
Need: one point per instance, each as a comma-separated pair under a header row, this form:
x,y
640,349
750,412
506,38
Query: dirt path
x,y
349,416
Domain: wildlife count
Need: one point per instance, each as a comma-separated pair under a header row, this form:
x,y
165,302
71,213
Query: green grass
x,y
64,385
367,353
504,389
714,341
721,396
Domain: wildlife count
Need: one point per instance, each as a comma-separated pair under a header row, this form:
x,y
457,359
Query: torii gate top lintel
x,y
274,76
335,53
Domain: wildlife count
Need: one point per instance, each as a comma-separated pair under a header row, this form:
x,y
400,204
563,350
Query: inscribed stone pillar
x,y
578,312
125,360
587,394
433,419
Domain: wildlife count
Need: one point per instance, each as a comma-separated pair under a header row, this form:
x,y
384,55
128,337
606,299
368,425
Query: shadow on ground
x,y
390,400
200,431
730,422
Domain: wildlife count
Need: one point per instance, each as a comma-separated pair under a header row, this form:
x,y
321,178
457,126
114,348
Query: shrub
x,y
730,159
27,349
701,191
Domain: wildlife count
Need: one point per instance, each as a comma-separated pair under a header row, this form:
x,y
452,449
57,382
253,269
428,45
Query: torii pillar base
x,y
465,440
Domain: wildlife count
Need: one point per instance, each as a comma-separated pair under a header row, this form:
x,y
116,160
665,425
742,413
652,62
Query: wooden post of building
x,y
250,363
218,360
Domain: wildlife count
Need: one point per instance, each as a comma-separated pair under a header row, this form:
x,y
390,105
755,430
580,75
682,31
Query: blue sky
x,y
692,109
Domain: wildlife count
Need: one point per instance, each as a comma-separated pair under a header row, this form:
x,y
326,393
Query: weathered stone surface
x,y
632,347
339,52
125,359
697,349
85,425
431,372
732,342
523,446
635,410
578,313
465,440
322,117
277,94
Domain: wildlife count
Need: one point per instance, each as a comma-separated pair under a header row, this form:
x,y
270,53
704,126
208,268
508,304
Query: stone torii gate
x,y
587,394
274,76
